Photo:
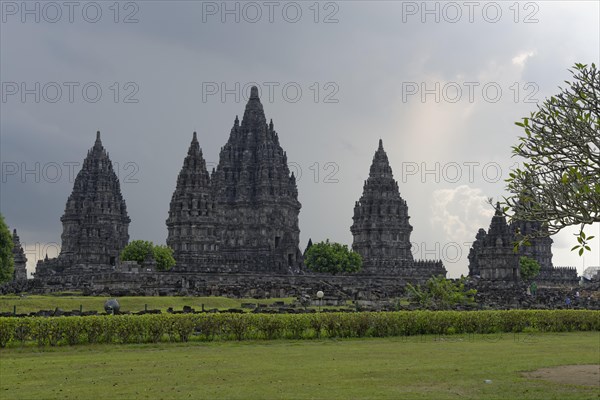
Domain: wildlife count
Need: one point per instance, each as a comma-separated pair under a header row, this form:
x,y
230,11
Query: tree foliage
x,y
441,293
558,182
139,250
6,255
529,268
164,257
332,258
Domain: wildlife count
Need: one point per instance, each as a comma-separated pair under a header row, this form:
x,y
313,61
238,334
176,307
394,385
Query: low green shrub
x,y
54,331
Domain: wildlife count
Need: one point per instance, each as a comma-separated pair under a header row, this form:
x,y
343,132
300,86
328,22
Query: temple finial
x,y
98,142
380,144
254,92
498,208
194,146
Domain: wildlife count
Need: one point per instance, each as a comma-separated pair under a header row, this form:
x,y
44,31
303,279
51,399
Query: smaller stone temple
x,y
95,221
495,255
492,254
20,261
191,222
381,228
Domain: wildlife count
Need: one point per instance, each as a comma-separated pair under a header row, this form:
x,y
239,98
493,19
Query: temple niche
x,y
244,216
381,229
95,221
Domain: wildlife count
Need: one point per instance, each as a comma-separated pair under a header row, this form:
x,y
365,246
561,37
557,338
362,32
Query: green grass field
x,y
422,367
36,303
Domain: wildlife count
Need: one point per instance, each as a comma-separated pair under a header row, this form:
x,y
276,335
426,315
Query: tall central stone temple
x,y
244,216
381,229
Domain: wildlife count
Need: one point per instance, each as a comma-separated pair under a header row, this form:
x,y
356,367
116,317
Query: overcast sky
x,y
442,84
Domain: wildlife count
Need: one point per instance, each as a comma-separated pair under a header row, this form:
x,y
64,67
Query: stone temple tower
x,y
244,216
496,258
256,196
381,229
20,260
95,222
191,222
492,255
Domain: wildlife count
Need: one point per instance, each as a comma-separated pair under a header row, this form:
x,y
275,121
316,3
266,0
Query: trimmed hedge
x,y
149,328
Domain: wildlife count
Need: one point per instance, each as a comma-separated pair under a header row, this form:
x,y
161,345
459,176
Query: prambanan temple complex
x,y
234,231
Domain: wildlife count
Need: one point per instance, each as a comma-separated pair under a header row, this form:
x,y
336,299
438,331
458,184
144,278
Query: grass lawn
x,y
35,303
427,367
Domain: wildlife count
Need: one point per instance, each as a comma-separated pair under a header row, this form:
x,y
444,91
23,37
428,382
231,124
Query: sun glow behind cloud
x,y
522,58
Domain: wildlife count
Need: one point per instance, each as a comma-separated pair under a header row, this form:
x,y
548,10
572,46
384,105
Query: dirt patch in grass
x,y
588,375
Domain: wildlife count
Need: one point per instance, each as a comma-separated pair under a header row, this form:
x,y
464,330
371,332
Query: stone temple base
x,y
248,285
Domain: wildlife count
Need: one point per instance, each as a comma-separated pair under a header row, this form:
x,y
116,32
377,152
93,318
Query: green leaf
x,y
581,251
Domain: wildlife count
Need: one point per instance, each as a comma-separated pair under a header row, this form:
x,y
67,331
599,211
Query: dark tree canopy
x,y
332,258
6,255
558,183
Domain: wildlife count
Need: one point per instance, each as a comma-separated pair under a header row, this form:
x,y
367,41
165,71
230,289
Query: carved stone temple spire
x,y
20,261
381,227
191,222
95,222
256,196
496,258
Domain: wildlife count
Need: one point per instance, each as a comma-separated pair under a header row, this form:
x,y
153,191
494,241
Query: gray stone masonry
x,y
244,216
20,261
95,221
381,228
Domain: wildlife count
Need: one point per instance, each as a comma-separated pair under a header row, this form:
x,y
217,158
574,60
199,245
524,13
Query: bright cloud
x,y
522,58
460,212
